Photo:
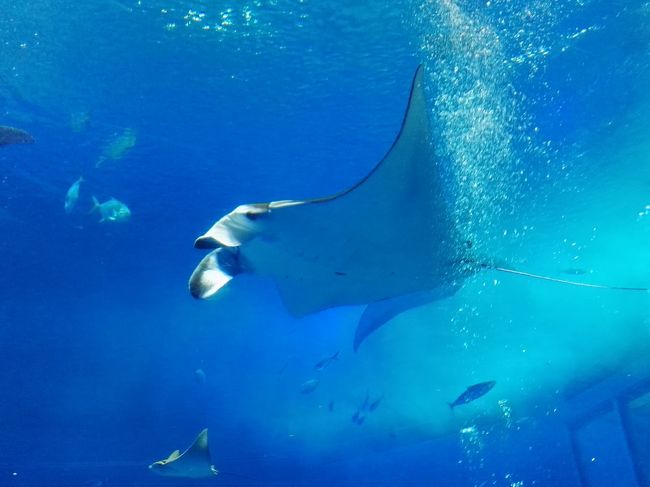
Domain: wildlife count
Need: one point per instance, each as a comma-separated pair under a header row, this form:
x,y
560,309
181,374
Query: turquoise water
x,y
184,110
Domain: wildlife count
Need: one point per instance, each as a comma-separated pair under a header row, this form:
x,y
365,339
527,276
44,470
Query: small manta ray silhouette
x,y
193,463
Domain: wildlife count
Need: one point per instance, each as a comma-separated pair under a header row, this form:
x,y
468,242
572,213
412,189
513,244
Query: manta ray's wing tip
x,y
419,73
202,438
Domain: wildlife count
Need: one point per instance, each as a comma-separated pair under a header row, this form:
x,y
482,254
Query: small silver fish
x,y
72,196
111,210
327,361
118,147
309,386
79,121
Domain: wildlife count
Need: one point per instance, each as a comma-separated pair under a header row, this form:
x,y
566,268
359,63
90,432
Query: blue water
x,y
540,113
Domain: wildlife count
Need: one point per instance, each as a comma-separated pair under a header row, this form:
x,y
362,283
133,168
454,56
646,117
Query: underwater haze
x,y
152,119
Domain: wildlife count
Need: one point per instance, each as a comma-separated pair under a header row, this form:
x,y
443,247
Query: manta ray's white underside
x,y
387,242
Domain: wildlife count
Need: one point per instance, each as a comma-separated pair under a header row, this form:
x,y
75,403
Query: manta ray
x,y
195,462
387,242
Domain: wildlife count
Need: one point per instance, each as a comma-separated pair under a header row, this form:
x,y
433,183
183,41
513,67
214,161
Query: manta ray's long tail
x,y
561,281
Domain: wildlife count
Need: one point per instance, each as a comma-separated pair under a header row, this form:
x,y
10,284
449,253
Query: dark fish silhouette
x,y
366,402
326,362
330,406
11,135
366,406
358,418
375,404
472,393
574,271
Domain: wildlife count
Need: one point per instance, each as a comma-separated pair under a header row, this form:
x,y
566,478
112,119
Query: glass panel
x,y
602,452
636,418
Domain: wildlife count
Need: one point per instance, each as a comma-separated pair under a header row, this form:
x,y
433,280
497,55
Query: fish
x,y
375,404
574,271
365,403
309,386
79,121
327,361
641,402
193,463
472,393
358,418
72,195
330,406
12,135
118,147
111,210
389,242
200,376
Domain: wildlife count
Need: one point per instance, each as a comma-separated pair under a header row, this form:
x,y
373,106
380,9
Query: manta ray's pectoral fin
x,y
235,229
381,312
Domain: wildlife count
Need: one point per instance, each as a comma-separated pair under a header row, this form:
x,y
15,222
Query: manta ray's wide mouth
x,y
206,242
